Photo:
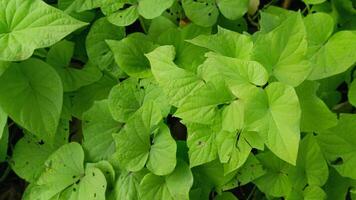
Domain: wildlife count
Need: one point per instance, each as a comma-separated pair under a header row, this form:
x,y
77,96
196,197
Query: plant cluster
x,y
178,99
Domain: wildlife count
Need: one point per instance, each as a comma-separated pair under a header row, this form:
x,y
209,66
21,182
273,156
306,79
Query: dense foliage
x,y
177,99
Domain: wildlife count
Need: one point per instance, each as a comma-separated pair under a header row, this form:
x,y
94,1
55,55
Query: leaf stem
x,y
252,192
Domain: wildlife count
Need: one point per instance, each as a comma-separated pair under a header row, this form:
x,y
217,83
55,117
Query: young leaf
x,y
129,54
282,51
133,141
177,83
32,96
125,99
226,43
233,150
26,25
187,55
275,114
134,147
239,75
202,105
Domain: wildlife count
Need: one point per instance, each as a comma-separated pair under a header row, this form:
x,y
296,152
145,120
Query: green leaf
x,y
59,57
127,185
107,169
338,145
29,156
226,43
335,57
187,55
97,49
233,149
33,97
232,9
201,143
239,75
276,181
203,13
319,27
313,193
129,54
337,186
26,25
174,186
98,127
282,51
125,99
316,116
250,171
91,186
177,83
133,141
124,17
62,169
84,98
233,116
162,158
275,114
202,105
311,167
212,175
150,9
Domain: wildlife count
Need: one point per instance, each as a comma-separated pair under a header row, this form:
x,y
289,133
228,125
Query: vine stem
x,y
7,171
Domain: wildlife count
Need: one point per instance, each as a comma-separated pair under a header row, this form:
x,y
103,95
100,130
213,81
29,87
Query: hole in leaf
x,y
41,142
